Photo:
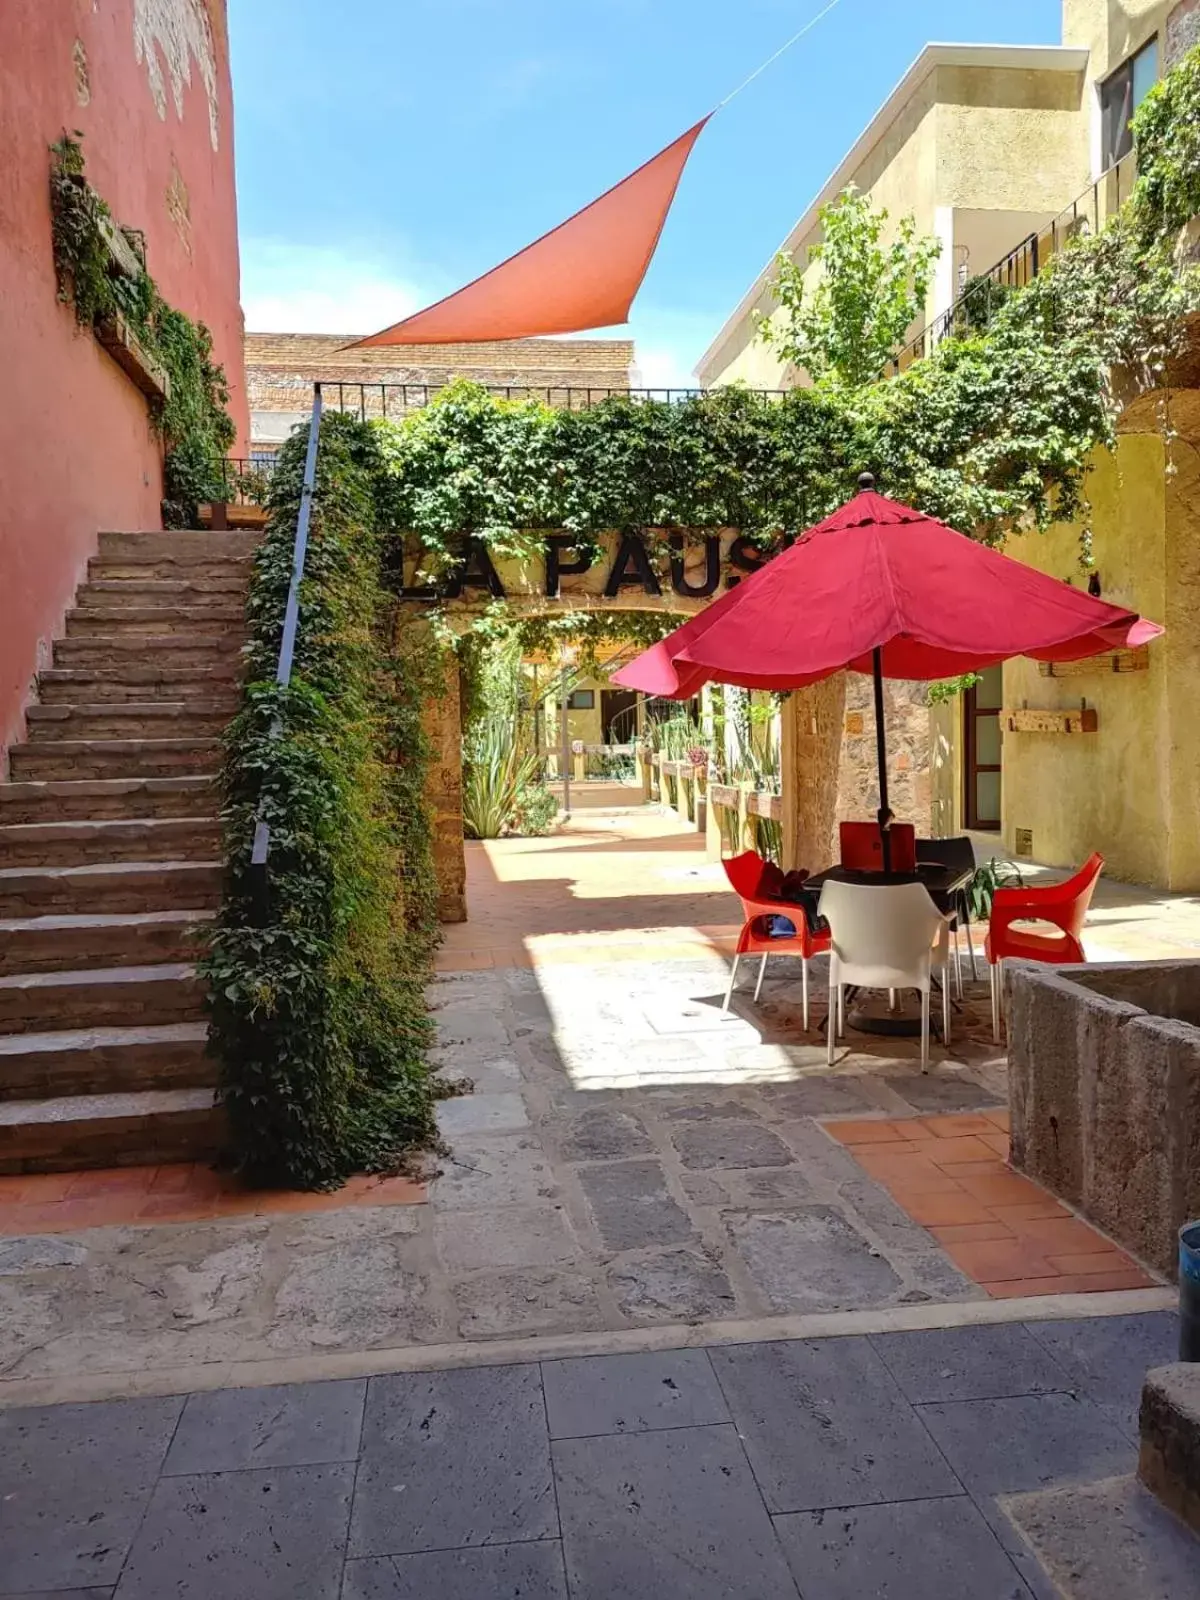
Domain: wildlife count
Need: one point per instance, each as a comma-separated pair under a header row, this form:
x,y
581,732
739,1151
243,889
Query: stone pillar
x,y
811,752
441,718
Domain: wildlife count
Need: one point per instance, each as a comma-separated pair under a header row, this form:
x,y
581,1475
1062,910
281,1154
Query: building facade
x,y
146,83
1002,153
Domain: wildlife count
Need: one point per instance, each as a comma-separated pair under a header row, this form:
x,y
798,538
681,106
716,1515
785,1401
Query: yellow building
x,y
1001,153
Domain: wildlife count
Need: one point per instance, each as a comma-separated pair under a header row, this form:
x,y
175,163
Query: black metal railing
x,y
981,297
384,399
291,614
244,480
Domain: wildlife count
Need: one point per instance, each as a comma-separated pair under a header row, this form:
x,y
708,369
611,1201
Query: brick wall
x,y
282,367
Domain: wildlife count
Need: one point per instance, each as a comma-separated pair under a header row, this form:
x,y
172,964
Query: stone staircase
x,y
110,861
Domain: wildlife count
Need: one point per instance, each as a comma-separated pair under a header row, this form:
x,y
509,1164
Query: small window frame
x,y
1117,105
581,700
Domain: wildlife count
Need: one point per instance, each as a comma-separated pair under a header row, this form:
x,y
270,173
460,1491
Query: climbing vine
x,y
316,974
193,420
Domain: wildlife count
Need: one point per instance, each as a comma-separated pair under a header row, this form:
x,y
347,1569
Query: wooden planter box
x,y
127,350
759,804
1084,719
724,794
1116,661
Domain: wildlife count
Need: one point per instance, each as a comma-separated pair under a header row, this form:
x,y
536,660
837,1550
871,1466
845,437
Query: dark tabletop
x,y
939,879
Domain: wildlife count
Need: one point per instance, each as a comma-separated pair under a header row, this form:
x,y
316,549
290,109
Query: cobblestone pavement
x,y
991,1463
627,1158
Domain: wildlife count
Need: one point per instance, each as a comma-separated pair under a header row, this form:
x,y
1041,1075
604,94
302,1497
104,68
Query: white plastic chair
x,y
885,936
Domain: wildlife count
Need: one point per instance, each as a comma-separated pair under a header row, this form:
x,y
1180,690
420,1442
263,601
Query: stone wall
x,y
442,721
909,746
1104,1091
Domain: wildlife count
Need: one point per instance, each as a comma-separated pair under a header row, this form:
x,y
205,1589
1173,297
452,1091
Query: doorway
x,y
981,767
618,716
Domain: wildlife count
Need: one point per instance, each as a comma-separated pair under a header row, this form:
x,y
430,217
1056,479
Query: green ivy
x,y
193,421
318,1018
1166,131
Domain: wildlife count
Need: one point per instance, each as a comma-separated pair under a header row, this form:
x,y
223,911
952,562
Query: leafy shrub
x,y
317,1012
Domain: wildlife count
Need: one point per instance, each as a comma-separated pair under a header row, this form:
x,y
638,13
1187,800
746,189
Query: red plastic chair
x,y
1064,905
745,874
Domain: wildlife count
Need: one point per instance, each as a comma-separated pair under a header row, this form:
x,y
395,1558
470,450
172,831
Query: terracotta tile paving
x,y
63,1202
950,1174
597,892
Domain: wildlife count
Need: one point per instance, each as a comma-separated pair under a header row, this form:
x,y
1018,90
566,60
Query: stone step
x,y
112,839
85,622
45,1003
1169,1424
132,719
109,1130
109,887
184,544
162,652
121,685
114,758
60,943
166,569
98,799
99,593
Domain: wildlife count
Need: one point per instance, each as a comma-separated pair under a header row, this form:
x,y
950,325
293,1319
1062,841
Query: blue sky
x,y
390,150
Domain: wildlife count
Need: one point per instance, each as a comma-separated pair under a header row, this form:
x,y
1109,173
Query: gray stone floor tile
x,y
532,1571
816,1096
270,1535
452,1459
936,1091
63,1594
811,1259
472,1114
970,1363
631,1394
729,1143
74,1483
292,1425
825,1425
632,1207
666,1516
1108,1357
908,1550
507,1236
1027,1442
672,1286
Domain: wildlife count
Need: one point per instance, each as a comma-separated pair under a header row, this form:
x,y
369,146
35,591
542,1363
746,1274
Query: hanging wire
x,y
783,49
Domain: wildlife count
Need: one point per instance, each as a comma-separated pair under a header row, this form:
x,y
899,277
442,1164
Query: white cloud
x,y
288,288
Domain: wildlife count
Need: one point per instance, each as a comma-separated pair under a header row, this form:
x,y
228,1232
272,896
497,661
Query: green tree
x,y
846,328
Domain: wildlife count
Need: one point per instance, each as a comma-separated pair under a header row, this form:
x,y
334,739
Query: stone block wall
x,y
1104,1091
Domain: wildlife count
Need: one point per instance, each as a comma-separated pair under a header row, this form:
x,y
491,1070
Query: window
x,y
582,700
1120,96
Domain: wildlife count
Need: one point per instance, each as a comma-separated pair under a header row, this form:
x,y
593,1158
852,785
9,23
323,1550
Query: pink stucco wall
x,y
76,451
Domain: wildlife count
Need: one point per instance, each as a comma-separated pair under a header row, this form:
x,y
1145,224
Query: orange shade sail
x,y
583,274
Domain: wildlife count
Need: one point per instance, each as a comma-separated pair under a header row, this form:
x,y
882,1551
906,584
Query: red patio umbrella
x,y
878,587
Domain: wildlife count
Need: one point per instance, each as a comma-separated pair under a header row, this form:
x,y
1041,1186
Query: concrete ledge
x,y
312,1368
1169,1460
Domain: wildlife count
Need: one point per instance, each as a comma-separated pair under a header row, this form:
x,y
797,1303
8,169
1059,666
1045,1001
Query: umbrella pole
x,y
885,811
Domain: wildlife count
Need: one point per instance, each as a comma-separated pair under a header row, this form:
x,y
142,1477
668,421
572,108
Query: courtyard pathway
x,y
628,1169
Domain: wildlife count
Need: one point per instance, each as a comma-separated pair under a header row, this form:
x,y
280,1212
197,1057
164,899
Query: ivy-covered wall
x,y
77,451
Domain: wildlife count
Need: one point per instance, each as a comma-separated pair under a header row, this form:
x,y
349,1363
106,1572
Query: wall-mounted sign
x,y
616,571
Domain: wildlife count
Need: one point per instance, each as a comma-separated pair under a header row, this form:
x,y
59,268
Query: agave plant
x,y
990,876
496,772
